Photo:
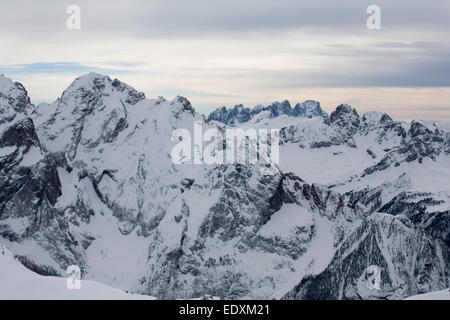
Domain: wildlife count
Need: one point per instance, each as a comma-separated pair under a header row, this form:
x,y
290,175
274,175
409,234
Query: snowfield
x,y
19,283
437,295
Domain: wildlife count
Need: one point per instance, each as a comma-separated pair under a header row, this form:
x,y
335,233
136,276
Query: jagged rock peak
x,y
241,114
419,128
13,99
238,114
346,119
374,117
98,85
276,109
309,109
185,103
343,110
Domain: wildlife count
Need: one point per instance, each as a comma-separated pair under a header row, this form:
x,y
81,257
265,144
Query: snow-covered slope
x,y
409,260
20,283
88,180
436,295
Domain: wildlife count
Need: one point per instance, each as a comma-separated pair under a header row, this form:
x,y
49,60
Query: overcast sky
x,y
229,52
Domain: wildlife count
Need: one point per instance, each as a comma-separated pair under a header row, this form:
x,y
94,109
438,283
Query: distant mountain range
x,y
240,114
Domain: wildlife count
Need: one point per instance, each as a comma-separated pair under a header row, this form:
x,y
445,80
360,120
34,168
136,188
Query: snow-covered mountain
x,y
240,114
88,180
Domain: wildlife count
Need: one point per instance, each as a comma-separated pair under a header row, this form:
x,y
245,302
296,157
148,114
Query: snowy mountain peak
x,y
94,86
234,116
309,109
89,77
279,108
92,110
13,99
374,117
343,110
185,103
88,82
420,128
273,110
346,119
5,83
240,114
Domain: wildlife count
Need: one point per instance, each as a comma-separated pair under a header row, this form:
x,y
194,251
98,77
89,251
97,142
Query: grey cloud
x,y
436,108
386,61
189,92
179,17
423,72
415,44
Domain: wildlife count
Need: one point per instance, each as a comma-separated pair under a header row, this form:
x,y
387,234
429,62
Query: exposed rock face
x,y
29,183
309,109
27,178
89,180
346,119
13,99
218,260
417,144
312,133
374,198
90,112
240,114
409,260
425,209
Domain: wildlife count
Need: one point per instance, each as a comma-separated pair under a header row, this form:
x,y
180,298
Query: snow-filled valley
x,y
89,181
